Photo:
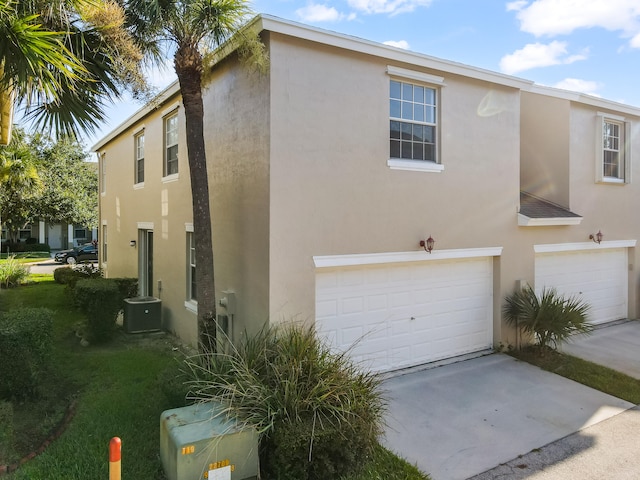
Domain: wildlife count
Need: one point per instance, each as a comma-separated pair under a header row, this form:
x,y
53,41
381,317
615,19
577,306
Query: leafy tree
x,y
20,184
42,178
191,28
70,183
63,59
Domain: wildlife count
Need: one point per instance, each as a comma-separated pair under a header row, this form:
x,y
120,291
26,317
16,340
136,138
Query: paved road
x,y
607,450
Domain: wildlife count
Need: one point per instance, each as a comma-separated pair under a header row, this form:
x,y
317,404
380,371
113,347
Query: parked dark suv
x,y
85,253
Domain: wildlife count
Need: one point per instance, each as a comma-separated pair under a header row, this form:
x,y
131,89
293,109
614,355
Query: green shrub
x,y
13,273
128,287
26,338
99,299
551,318
25,247
6,431
62,275
69,276
317,413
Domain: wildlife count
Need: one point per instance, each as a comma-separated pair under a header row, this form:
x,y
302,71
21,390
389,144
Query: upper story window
x,y
414,99
171,144
139,157
614,157
412,121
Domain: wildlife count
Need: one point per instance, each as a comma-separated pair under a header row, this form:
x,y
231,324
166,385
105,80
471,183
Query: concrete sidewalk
x,y
462,419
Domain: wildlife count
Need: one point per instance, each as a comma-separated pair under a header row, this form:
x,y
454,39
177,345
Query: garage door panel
x,y
598,277
403,315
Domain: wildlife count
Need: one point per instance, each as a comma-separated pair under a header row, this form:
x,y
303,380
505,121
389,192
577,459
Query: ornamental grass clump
x,y
13,273
550,317
318,414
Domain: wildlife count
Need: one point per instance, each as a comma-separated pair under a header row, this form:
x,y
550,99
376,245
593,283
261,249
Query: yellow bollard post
x,y
115,456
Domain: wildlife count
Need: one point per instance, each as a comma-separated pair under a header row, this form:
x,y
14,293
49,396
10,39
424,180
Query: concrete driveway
x,y
616,346
459,420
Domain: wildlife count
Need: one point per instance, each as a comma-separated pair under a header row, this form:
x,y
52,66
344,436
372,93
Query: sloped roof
x,y
535,211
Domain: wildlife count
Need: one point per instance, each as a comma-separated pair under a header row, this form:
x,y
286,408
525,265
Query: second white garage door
x,y
404,314
599,277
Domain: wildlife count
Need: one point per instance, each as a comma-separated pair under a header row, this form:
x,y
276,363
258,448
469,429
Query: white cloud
x,y
321,13
558,17
398,44
392,7
635,41
516,6
576,85
538,55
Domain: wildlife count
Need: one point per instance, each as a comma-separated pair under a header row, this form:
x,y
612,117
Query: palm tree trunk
x,y
188,65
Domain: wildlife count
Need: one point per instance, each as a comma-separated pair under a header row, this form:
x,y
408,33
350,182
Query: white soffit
x,y
524,221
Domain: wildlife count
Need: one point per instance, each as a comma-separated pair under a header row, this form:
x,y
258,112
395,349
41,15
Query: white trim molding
x,y
574,247
524,221
145,225
328,261
415,165
188,227
415,75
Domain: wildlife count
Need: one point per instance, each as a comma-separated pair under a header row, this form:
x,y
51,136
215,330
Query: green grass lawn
x,y
119,389
26,257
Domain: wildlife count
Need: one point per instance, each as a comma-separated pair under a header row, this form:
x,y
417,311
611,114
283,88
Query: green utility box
x,y
197,443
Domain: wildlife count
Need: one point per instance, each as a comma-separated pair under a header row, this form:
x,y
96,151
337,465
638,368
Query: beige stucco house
x,y
328,171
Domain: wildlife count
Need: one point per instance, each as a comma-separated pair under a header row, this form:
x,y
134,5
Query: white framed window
x,y
613,162
191,268
104,244
414,99
139,157
171,144
24,232
103,173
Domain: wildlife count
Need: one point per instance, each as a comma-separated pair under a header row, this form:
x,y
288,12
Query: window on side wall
x,y
613,155
171,144
139,158
191,301
103,173
414,120
104,244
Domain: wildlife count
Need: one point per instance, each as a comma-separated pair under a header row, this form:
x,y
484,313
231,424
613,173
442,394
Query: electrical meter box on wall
x,y
196,442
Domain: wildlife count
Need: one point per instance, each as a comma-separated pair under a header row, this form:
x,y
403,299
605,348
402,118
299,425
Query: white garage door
x,y
405,314
599,277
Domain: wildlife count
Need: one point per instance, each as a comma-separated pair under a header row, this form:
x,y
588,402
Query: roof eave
x,y
524,221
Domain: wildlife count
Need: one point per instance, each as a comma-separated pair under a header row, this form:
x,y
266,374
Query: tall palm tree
x,y
192,28
62,60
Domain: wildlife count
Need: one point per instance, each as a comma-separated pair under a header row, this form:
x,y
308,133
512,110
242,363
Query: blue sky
x,y
591,46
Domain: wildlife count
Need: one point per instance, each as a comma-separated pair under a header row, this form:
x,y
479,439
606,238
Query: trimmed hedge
x,y
26,339
25,247
100,300
128,287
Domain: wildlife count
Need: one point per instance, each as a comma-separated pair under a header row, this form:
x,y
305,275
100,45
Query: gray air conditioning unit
x,y
198,442
142,314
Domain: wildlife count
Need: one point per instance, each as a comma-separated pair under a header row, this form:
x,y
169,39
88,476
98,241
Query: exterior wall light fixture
x,y
597,238
132,243
427,244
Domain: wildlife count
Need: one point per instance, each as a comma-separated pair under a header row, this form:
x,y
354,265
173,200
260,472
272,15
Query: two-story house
x,y
391,198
